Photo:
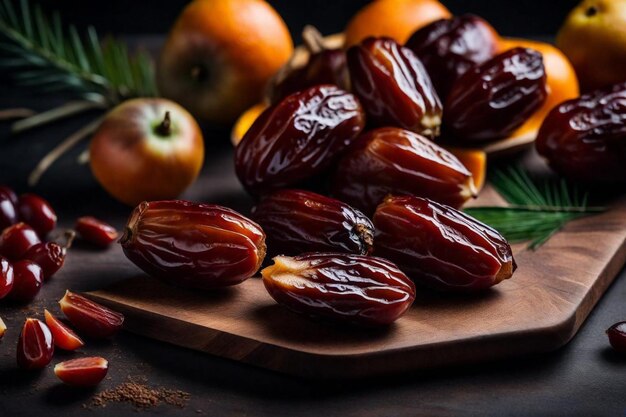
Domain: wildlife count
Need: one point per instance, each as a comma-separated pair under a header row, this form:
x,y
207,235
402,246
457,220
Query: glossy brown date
x,y
193,245
440,247
394,87
324,67
297,139
299,221
396,161
584,139
450,47
617,336
34,346
493,99
351,288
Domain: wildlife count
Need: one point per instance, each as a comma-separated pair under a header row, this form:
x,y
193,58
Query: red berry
x,y
28,280
16,240
617,336
6,277
95,231
8,212
89,317
37,212
34,347
64,337
50,256
82,372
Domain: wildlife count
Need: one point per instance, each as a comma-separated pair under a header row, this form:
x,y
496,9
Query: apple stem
x,y
165,128
313,39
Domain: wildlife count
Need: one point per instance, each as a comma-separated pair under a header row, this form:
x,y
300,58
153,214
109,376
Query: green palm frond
x,y
40,52
537,210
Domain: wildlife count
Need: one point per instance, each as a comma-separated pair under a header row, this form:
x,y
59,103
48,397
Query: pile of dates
x,y
27,260
357,204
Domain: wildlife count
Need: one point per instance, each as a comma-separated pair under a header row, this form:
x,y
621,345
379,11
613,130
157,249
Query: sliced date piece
x,y
394,87
64,337
82,372
34,346
299,221
584,139
440,247
95,231
490,101
297,139
350,288
3,328
396,161
193,245
89,317
448,48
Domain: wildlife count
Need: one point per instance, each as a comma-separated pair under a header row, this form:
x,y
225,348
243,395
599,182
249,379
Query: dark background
x,y
511,18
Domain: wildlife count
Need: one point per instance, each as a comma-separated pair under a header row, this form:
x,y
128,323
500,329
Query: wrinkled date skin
x,y
325,67
396,161
450,47
394,87
298,221
585,139
440,247
297,139
493,99
193,245
351,288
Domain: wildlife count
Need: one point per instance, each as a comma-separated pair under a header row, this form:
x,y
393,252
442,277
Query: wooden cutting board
x,y
539,309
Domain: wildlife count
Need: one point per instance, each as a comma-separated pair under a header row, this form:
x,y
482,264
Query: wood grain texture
x,y
539,309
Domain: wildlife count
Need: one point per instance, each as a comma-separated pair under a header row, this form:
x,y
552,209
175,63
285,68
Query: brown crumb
x,y
140,396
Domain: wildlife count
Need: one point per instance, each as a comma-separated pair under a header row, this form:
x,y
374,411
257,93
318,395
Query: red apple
x,y
147,149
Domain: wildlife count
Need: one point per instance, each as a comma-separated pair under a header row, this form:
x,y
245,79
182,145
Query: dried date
x,y
297,139
440,247
396,161
448,48
493,99
351,288
394,87
584,139
299,221
193,245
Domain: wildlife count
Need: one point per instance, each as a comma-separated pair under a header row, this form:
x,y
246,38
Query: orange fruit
x,y
561,78
475,160
219,56
397,19
243,123
594,38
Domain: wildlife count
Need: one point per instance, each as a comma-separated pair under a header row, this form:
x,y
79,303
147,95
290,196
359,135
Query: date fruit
x,y
89,317
16,240
6,277
344,287
37,213
493,99
395,161
441,247
617,336
584,139
327,66
34,347
297,139
82,372
64,338
8,212
95,231
3,328
450,47
299,221
50,256
28,279
394,87
193,245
